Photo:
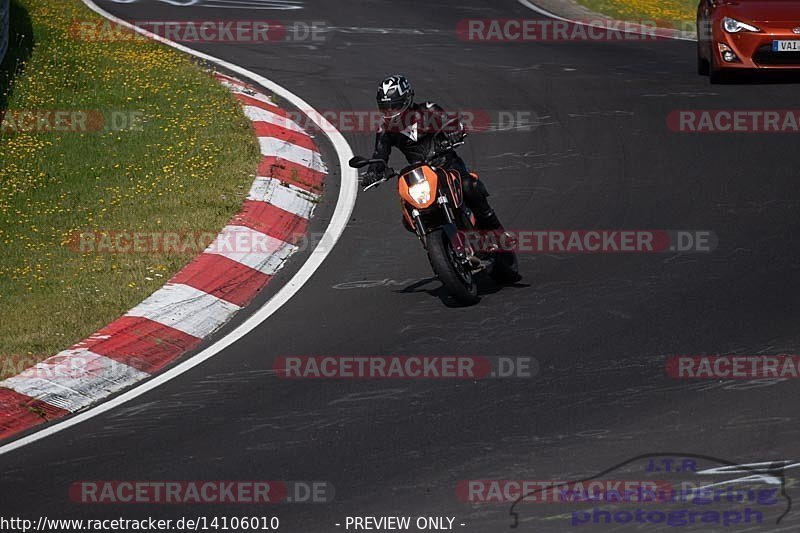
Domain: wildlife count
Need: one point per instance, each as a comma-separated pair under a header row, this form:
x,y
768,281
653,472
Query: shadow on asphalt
x,y
485,287
761,78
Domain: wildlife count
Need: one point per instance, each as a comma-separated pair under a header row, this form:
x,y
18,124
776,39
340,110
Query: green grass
x,y
187,167
669,13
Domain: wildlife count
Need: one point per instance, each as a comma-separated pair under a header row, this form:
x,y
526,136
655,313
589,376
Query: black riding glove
x,y
456,134
374,174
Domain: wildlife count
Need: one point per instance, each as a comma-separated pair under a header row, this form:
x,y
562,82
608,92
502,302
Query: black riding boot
x,y
505,269
486,218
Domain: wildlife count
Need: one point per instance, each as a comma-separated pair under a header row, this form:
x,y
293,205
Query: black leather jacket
x,y
413,133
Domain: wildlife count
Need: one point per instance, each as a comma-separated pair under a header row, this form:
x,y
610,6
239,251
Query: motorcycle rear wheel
x,y
506,268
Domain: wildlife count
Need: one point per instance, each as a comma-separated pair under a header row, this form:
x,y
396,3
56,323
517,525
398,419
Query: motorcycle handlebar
x,y
359,162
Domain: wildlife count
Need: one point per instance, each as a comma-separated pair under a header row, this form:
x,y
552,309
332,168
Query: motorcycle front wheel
x,y
454,275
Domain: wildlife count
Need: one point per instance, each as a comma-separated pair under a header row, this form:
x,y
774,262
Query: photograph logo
x,y
690,490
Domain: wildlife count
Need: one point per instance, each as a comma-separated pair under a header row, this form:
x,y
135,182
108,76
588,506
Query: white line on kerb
x,y
348,192
546,13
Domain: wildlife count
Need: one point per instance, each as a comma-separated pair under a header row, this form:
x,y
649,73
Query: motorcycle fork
x,y
450,227
462,250
419,227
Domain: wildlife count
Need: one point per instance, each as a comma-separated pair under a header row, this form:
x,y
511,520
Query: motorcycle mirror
x,y
358,162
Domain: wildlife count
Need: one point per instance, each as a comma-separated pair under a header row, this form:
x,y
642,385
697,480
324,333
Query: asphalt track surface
x,y
600,326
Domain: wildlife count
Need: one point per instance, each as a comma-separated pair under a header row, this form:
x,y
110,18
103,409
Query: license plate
x,y
786,46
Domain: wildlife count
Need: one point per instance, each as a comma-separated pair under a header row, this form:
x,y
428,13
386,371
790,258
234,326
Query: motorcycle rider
x,y
405,125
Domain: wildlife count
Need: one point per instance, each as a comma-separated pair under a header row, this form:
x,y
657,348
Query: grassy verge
x,y
670,13
185,165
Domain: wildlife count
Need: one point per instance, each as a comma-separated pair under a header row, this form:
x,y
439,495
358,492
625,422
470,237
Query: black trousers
x,y
475,194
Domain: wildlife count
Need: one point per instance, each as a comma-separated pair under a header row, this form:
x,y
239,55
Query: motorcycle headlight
x,y
420,192
735,26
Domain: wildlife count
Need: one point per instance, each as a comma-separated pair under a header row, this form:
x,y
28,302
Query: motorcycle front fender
x,y
456,239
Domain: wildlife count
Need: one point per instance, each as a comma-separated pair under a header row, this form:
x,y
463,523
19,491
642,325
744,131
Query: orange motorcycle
x,y
433,206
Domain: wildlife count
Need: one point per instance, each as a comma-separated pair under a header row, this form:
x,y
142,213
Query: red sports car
x,y
736,35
